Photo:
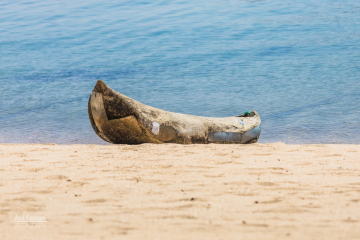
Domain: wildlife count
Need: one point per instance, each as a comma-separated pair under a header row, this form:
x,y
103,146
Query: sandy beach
x,y
259,191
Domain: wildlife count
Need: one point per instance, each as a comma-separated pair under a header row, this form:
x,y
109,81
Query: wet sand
x,y
259,191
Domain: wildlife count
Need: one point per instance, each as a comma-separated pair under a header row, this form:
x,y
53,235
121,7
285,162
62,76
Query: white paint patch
x,y
156,128
241,122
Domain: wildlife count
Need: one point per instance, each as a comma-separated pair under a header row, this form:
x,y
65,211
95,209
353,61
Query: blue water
x,y
295,62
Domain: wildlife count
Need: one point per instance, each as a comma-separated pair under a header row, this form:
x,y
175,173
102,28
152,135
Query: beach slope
x,y
149,191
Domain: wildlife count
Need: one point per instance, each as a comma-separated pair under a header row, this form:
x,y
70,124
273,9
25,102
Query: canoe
x,y
119,119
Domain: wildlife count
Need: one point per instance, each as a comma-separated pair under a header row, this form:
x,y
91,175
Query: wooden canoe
x,y
119,119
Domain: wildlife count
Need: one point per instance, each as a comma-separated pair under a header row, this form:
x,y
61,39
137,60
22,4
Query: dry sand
x,y
259,191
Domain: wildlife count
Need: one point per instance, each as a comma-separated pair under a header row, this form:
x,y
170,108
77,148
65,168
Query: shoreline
x,y
177,144
210,191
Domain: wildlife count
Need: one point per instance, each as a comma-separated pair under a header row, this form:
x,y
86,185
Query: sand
x,y
259,191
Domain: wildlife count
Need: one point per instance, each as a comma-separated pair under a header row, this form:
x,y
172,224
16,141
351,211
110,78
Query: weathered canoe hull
x,y
119,119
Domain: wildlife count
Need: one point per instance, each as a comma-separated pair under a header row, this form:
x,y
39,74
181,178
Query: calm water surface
x,y
295,62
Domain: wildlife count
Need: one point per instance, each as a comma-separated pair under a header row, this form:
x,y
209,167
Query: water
x,y
295,62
